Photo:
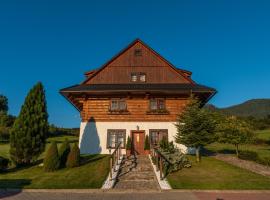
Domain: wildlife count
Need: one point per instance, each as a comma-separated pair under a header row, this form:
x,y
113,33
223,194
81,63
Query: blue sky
x,y
225,44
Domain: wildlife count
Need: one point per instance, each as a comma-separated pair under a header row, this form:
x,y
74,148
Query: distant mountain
x,y
258,108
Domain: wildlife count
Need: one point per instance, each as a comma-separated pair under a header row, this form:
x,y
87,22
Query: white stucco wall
x,y
93,135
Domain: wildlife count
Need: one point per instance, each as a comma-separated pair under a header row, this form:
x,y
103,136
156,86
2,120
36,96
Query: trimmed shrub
x,y
73,159
128,145
146,143
248,155
51,160
3,163
63,152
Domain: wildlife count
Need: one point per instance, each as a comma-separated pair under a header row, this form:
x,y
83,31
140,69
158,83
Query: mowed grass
x,y
92,174
214,174
262,150
263,134
4,148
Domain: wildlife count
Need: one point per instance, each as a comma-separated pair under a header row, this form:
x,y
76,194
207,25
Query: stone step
x,y
137,185
136,173
137,176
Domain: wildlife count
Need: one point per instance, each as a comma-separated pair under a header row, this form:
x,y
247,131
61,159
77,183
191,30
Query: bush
x,y
73,159
4,134
253,156
51,160
248,155
264,161
128,146
63,152
3,163
146,143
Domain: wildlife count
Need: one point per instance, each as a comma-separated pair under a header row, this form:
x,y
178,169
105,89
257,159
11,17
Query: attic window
x,y
138,52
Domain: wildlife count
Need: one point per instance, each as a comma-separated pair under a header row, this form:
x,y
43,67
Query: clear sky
x,y
225,43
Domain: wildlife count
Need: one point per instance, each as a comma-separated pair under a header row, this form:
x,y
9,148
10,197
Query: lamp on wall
x,y
138,128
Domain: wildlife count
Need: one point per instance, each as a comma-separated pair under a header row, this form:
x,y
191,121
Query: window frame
x,y
151,131
116,132
118,105
133,74
158,107
138,76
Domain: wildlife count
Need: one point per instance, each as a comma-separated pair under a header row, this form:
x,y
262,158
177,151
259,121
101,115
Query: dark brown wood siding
x,y
98,110
120,69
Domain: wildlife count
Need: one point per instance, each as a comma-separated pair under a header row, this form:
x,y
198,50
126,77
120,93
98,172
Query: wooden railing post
x,y
111,163
160,168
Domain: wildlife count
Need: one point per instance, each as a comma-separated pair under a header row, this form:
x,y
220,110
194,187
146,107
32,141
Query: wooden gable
x,y
137,58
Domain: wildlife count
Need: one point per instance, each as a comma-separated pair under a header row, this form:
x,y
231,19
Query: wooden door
x,y
138,142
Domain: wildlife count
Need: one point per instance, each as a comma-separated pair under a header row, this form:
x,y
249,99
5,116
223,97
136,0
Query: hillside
x,y
258,108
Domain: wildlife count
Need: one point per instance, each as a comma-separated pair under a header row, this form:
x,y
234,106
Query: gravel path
x,y
249,165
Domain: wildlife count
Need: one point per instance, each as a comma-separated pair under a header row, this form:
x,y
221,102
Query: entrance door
x,y
138,142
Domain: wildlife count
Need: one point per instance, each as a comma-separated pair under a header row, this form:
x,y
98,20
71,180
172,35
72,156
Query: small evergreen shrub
x,y
73,159
51,160
3,163
63,152
248,155
146,143
128,145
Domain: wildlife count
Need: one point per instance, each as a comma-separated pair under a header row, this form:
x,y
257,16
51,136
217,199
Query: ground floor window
x,y
114,136
156,136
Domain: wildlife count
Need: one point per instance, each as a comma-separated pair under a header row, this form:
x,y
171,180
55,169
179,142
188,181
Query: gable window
x,y
138,77
156,135
114,136
142,77
138,52
133,77
157,104
118,105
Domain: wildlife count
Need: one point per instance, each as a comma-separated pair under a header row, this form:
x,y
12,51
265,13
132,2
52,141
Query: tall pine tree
x,y
28,135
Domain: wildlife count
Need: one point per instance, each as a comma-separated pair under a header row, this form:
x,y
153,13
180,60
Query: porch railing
x,y
115,158
159,160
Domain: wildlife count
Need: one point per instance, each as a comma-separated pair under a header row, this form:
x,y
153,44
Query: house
x,y
136,93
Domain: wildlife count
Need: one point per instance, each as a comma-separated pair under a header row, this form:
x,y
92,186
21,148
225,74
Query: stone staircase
x,y
136,172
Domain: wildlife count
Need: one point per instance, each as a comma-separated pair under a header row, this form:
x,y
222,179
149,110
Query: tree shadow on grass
x,y
11,187
207,152
86,159
22,167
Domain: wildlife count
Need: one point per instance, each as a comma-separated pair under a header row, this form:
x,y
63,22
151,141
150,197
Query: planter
x,y
128,152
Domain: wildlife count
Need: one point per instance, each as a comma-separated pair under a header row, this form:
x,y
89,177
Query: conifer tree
x,y
73,159
63,152
28,134
51,160
195,126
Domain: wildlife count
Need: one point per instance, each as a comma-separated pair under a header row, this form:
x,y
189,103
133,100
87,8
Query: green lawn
x,y
92,174
262,150
4,148
263,134
215,174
